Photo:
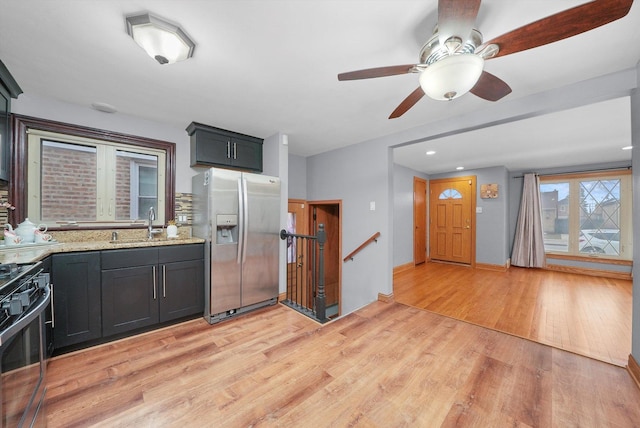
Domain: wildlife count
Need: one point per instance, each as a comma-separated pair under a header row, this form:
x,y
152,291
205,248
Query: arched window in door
x,y
450,194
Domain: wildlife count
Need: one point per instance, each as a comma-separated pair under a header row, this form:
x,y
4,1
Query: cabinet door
x,y
5,135
182,289
129,298
76,298
247,154
208,149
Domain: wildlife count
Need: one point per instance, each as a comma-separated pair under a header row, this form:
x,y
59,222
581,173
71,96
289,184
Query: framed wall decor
x,y
489,191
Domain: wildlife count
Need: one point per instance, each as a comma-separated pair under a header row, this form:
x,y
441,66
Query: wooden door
x,y
452,231
328,213
297,261
419,220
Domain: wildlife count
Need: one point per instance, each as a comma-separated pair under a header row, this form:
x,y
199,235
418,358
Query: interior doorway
x,y
452,219
329,214
297,255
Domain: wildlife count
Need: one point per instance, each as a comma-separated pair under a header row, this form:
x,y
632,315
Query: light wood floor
x,y
587,315
386,365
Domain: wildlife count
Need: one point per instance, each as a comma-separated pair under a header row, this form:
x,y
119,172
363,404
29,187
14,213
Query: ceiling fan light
x,y
452,76
163,41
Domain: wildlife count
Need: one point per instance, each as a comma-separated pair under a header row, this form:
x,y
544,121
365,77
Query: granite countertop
x,y
29,253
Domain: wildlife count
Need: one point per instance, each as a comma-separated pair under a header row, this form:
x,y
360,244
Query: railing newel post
x,y
320,298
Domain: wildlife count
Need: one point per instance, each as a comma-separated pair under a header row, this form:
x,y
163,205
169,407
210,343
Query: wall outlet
x,y
478,210
372,206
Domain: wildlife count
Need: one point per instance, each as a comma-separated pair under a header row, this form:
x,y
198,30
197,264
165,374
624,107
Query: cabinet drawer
x,y
115,259
176,253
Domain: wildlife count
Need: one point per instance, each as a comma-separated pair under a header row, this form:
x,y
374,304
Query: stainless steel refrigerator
x,y
238,214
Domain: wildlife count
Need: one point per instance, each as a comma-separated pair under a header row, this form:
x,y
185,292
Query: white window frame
x,y
626,202
134,188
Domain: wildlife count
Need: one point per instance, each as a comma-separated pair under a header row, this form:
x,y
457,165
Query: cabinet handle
x,y
164,281
154,282
235,151
53,311
228,149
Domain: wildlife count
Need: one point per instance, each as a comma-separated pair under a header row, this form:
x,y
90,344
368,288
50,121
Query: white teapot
x,y
26,230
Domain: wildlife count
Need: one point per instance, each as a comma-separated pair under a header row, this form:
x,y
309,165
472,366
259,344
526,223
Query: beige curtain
x,y
528,246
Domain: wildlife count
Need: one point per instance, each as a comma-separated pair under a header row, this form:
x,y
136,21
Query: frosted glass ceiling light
x,y
451,76
164,42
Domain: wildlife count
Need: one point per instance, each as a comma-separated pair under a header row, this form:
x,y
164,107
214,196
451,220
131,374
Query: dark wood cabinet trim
x,y
18,183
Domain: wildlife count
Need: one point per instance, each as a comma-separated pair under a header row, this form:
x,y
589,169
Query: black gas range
x,y
15,296
25,312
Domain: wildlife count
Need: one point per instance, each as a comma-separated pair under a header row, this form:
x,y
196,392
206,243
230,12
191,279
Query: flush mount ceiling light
x,y
163,41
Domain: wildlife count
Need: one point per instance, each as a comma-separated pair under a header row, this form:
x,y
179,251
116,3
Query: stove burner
x,y
7,270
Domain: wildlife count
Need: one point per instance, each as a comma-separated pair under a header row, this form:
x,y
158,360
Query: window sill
x,y
595,258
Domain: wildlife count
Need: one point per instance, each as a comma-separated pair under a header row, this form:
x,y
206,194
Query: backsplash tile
x,y
4,196
184,206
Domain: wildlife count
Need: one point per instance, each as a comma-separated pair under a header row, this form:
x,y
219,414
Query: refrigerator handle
x,y
245,223
240,221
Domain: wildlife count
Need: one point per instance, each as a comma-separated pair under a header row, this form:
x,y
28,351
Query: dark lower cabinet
x,y
182,289
76,298
146,286
129,299
102,295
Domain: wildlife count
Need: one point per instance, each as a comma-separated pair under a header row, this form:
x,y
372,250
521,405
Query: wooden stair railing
x,y
364,244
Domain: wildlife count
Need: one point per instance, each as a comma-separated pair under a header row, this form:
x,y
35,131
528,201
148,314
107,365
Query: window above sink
x,y
85,178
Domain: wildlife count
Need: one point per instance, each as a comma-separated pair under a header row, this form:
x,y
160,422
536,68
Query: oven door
x,y
23,365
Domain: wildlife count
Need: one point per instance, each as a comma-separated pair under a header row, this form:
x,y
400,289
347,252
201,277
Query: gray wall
x,y
297,177
358,175
493,222
275,163
403,213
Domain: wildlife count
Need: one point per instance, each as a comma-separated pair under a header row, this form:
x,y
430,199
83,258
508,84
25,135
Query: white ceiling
x,y
267,66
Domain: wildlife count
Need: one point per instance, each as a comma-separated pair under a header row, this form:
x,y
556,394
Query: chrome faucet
x,y
152,217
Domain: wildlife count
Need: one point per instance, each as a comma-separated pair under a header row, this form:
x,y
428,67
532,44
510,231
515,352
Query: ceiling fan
x,y
452,60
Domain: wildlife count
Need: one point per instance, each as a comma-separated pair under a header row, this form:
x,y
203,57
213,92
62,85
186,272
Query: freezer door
x,y
225,263
261,242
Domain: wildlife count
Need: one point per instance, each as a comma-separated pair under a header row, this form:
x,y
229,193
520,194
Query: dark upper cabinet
x,y
8,89
212,146
75,279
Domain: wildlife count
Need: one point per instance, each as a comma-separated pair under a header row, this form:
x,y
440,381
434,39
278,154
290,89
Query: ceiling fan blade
x,y
490,87
456,18
407,103
561,25
377,72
